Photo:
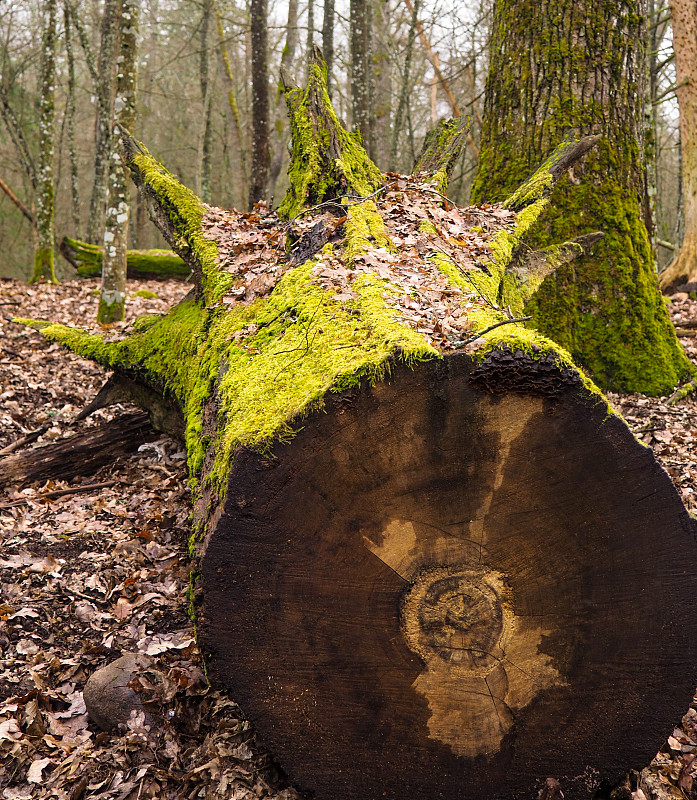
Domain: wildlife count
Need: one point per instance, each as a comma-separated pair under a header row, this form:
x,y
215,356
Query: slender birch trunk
x,y
44,268
404,92
206,102
281,122
328,41
232,100
310,41
360,73
113,289
105,113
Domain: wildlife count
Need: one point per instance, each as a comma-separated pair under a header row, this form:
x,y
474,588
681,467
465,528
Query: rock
x,y
679,297
108,698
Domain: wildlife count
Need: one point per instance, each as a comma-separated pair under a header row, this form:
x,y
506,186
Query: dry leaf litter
x,y
87,577
90,576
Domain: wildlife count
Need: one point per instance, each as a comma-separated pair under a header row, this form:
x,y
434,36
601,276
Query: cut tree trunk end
x,y
453,584
430,561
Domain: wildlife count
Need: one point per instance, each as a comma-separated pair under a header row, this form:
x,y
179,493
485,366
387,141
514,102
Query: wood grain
x,y
434,591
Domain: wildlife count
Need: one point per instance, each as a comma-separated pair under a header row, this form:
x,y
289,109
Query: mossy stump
x,y
429,560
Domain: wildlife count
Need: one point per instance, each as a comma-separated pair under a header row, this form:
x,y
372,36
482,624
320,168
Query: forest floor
x,y
90,573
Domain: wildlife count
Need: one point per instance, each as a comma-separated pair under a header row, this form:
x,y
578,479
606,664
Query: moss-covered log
x,y
140,264
429,559
561,68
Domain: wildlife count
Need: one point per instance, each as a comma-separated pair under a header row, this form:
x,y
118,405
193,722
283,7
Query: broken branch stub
x,y
441,148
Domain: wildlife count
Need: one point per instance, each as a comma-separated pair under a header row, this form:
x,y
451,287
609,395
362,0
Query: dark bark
x,y
79,455
259,173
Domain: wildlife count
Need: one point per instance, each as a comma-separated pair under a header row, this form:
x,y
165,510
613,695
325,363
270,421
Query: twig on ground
x,y
30,437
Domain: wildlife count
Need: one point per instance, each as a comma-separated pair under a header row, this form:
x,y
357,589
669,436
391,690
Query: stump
x,y
429,559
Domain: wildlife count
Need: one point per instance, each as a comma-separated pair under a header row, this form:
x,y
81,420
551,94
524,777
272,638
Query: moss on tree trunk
x,y
558,69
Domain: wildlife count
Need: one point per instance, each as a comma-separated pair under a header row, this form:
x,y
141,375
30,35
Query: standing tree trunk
x,y
259,174
359,45
232,99
70,112
112,295
328,41
431,562
606,309
404,91
310,42
684,13
105,86
206,103
280,126
45,203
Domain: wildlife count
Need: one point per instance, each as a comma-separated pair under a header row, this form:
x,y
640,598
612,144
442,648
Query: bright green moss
x,y
44,266
364,229
185,212
327,161
146,294
139,263
605,309
268,363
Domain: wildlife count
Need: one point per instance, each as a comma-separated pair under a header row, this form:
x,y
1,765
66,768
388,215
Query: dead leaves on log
x,y
258,248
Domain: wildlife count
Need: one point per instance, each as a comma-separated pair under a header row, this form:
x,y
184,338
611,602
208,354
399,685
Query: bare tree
x,y
206,102
684,12
259,173
113,289
44,269
105,85
328,41
359,47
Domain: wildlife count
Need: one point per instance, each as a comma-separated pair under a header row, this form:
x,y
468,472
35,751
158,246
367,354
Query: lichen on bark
x,y
45,202
559,70
113,288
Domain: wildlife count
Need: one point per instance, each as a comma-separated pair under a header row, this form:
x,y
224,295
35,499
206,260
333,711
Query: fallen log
x,y
430,561
140,264
81,454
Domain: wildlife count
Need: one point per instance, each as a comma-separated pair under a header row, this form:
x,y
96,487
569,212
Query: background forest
x,y
423,61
